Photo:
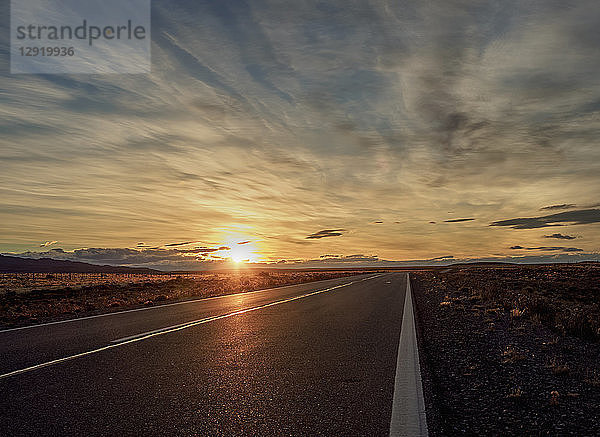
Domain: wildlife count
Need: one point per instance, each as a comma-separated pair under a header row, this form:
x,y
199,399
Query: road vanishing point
x,y
336,357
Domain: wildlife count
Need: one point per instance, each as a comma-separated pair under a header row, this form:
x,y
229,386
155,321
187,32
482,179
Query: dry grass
x,y
592,378
558,368
511,355
565,298
516,312
515,393
31,297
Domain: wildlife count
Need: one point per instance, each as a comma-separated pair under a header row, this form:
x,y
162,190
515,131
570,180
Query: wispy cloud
x,y
199,250
185,243
48,243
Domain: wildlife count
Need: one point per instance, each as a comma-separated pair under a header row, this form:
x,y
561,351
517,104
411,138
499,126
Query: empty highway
x,y
310,359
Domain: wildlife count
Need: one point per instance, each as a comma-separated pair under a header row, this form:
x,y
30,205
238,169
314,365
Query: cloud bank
x,y
172,259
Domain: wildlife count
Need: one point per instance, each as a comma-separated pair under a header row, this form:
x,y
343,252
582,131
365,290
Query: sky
x,y
316,133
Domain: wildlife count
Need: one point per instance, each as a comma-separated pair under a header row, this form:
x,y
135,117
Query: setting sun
x,y
241,249
241,253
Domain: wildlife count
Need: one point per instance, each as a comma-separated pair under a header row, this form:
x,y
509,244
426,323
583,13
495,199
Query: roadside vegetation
x,y
511,350
565,298
36,297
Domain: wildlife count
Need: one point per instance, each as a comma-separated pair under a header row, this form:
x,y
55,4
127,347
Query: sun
x,y
242,253
239,254
239,247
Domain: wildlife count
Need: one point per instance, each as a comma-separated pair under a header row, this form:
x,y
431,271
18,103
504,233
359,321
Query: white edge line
x,y
147,335
202,299
408,405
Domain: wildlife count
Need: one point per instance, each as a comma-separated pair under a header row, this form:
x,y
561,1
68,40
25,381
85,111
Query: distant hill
x,y
14,264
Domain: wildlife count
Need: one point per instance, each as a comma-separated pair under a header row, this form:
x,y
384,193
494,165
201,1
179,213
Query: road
x,y
309,359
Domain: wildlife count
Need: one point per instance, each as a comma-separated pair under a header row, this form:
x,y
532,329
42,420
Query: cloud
x,y
326,233
459,220
357,259
569,255
561,206
579,217
244,242
199,250
166,258
552,248
185,243
560,236
48,243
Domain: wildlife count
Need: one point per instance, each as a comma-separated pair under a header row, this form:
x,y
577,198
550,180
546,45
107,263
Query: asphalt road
x,y
276,363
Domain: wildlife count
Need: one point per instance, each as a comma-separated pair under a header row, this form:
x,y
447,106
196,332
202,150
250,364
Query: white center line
x,y
147,335
408,406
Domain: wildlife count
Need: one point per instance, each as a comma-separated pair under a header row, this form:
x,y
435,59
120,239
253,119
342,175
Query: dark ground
x,y
510,351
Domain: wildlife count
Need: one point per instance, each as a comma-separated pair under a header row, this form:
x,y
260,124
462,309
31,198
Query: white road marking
x,y
147,335
408,406
202,299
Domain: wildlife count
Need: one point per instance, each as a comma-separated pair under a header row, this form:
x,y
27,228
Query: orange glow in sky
x,y
242,248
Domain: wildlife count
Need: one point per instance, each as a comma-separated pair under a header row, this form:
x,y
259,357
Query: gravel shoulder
x,y
494,366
